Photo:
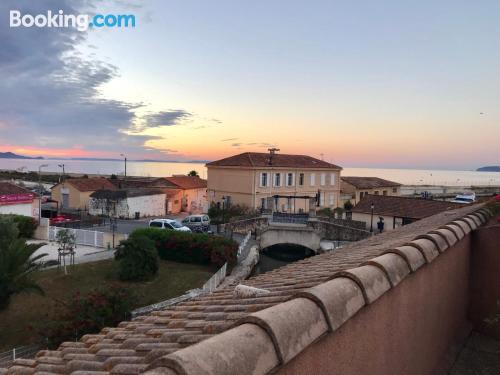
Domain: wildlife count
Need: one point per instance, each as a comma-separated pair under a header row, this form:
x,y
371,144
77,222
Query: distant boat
x,y
465,198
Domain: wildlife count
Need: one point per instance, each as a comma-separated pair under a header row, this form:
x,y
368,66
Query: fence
x,y
279,217
83,237
6,358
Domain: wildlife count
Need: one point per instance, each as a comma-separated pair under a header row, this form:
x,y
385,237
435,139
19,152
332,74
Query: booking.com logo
x,y
79,21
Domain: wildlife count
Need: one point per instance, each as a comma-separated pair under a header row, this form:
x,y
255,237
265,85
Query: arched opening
x,y
279,255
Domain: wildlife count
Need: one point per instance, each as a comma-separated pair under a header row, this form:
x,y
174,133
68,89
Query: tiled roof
x,y
369,182
264,160
163,340
412,208
139,182
187,182
8,188
90,184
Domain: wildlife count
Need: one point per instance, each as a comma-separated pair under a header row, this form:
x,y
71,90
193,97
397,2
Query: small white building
x,y
128,203
17,200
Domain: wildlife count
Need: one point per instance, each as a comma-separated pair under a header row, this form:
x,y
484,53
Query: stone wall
x,y
332,231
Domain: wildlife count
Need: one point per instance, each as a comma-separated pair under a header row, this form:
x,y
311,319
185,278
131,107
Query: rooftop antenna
x,y
272,151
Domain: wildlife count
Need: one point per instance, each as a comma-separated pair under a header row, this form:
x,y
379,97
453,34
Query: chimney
x,y
272,151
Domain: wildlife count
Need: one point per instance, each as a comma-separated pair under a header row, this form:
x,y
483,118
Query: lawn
x,y
27,310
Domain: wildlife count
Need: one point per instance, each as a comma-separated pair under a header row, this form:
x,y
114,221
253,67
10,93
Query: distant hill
x,y
491,168
11,155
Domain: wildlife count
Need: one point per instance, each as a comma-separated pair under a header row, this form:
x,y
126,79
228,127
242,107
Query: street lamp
x,y
40,190
372,206
125,158
62,177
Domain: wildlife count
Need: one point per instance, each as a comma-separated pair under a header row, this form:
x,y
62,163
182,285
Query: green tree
x,y
193,173
66,241
138,259
17,263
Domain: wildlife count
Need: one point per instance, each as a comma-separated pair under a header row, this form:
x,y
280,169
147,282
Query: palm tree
x,y
17,263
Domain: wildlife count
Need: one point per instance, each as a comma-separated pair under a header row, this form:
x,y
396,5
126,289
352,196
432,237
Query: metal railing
x,y
8,357
82,237
279,217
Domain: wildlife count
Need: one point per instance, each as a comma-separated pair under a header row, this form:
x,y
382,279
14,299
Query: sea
x,y
159,169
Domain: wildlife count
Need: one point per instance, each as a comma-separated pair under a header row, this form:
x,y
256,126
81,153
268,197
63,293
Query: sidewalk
x,y
83,254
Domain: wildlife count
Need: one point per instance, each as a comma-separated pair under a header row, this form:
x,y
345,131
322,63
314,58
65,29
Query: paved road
x,y
128,226
83,254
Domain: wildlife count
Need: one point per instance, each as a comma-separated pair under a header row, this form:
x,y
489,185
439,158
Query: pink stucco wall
x,y
409,330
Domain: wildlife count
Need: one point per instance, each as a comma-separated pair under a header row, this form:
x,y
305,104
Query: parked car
x,y
465,198
198,223
168,224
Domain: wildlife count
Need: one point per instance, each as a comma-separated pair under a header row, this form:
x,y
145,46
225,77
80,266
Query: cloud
x,y
229,139
166,118
49,92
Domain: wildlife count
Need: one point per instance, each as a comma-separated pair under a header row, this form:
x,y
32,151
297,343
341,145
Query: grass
x,y
28,310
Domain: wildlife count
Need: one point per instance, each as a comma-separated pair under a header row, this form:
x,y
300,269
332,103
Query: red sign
x,y
16,198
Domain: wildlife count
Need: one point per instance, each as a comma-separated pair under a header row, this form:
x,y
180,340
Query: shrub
x,y
188,247
89,313
25,224
138,259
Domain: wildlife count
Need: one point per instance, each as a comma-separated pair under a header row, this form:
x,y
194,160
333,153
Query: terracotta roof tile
x,y
263,160
7,188
412,208
187,182
151,342
90,184
369,182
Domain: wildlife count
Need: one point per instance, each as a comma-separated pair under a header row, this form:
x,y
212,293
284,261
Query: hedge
x,y
25,224
188,247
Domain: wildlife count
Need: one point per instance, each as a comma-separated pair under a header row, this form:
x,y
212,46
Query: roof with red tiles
x,y
407,207
265,160
8,188
368,182
187,182
308,290
90,184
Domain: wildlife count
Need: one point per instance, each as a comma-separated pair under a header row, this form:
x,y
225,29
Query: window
x,y
313,179
301,179
384,192
332,199
361,195
376,192
277,179
289,179
333,179
394,190
321,198
322,180
263,179
156,224
263,202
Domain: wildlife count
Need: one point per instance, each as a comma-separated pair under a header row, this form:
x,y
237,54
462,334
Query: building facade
x,y
74,193
18,200
128,203
189,194
353,189
271,181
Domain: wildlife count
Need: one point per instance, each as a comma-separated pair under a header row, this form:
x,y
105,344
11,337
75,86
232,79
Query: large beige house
x,y
284,183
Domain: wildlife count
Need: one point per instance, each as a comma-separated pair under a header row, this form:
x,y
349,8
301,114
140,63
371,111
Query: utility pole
x,y
125,164
40,190
63,172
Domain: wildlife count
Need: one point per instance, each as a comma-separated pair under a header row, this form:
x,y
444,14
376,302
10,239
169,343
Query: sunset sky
x,y
364,83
